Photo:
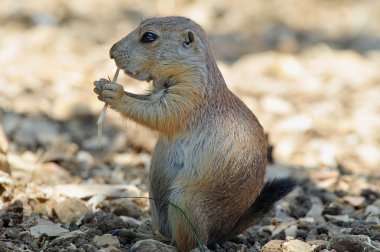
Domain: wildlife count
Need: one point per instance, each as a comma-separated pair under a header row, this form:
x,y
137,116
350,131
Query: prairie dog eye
x,y
148,37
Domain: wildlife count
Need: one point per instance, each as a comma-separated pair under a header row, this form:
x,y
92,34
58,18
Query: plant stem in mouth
x,y
103,113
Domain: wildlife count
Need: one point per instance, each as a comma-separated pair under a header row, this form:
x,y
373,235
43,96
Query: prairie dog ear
x,y
189,39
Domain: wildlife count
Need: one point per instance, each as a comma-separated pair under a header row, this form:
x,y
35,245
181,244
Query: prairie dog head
x,y
161,48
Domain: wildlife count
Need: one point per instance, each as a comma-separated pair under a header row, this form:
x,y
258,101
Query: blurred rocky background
x,y
309,70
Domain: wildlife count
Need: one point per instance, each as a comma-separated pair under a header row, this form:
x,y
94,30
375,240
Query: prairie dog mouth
x,y
129,73
137,75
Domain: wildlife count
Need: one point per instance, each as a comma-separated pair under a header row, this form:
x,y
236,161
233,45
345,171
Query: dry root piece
x,y
103,113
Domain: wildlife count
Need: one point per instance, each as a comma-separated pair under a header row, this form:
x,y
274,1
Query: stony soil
x,y
308,69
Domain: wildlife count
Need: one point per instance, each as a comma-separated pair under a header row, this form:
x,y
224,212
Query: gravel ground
x,y
313,84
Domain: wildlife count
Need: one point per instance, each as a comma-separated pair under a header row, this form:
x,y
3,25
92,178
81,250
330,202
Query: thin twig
x,y
103,113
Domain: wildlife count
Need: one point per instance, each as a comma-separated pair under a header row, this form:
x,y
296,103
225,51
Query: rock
x,y
351,184
39,208
373,219
10,123
350,243
345,230
279,236
266,229
106,239
47,227
296,246
36,130
325,174
315,212
280,212
4,165
105,222
304,234
15,207
151,245
110,249
316,209
276,105
376,227
70,210
37,193
242,248
26,162
283,226
5,179
51,174
285,148
92,143
273,246
356,201
297,123
348,209
332,209
370,194
377,202
132,222
125,207
318,245
300,206
361,229
140,160
287,67
75,233
84,191
327,183
85,158
328,197
276,170
343,218
68,236
146,227
306,221
372,210
228,245
368,153
95,201
60,150
291,231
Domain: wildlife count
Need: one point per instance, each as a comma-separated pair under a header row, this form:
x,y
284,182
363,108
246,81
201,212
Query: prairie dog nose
x,y
112,51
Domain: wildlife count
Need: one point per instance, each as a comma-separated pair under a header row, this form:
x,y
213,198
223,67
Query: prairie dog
x,y
210,158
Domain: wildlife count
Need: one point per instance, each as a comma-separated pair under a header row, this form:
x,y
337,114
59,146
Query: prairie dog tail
x,y
272,192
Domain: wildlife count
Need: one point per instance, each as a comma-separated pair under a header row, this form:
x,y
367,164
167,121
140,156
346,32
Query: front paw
x,y
112,94
99,87
109,92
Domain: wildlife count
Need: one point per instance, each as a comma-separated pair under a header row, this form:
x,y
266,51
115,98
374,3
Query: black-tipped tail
x,y
272,192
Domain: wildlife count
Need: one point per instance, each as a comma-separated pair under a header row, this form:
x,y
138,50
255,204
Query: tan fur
x,y
211,154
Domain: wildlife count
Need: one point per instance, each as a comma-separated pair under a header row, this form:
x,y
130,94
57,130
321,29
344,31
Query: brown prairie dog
x,y
210,158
